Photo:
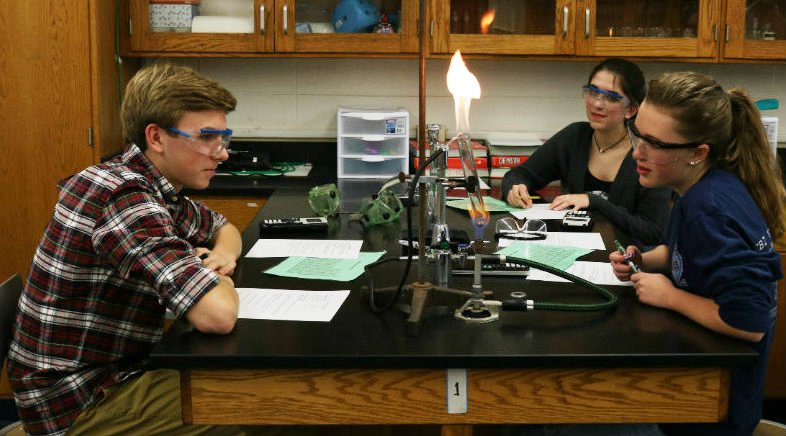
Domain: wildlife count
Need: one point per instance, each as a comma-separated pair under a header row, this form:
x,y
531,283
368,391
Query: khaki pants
x,y
150,405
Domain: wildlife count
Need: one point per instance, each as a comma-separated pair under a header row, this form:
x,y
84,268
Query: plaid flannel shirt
x,y
117,253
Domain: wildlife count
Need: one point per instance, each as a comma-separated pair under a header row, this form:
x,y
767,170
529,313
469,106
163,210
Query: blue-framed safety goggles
x,y
594,92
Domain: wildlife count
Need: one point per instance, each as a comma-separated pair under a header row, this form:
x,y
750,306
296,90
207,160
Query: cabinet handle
x,y
586,23
715,32
431,29
262,19
727,33
565,17
286,29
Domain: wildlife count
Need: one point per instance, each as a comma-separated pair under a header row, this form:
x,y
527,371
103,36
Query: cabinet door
x,y
755,29
655,28
211,28
253,27
335,26
516,27
45,78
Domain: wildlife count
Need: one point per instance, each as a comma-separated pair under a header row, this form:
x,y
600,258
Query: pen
x,y
622,251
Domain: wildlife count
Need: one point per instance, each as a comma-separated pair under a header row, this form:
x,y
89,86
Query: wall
x,y
298,97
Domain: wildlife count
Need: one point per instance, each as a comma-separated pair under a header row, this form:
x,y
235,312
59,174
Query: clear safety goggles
x,y
210,142
528,230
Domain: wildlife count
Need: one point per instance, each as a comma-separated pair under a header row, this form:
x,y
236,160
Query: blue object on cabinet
x,y
355,16
767,104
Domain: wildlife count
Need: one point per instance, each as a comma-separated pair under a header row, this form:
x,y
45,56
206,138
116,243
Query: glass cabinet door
x,y
347,26
502,26
668,28
229,28
201,26
755,29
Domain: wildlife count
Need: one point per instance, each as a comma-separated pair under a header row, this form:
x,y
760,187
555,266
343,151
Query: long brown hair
x,y
730,124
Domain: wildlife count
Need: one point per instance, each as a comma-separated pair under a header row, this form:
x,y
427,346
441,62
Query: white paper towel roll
x,y
217,24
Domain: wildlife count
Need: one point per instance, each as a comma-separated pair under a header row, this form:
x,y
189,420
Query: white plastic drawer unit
x,y
372,143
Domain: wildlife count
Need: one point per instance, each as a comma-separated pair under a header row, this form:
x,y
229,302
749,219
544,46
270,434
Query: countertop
x,y
321,154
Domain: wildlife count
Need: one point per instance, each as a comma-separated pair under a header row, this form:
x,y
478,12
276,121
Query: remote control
x,y
292,227
577,220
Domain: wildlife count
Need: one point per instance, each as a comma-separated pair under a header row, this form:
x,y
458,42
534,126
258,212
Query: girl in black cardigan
x,y
593,159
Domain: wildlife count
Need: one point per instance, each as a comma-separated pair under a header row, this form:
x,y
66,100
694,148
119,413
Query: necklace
x,y
603,149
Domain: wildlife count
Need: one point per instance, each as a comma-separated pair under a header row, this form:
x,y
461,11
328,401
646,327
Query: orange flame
x,y
478,213
486,20
465,87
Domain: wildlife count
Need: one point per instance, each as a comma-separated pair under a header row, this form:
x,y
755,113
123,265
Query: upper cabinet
x,y
508,27
755,30
655,28
256,27
688,30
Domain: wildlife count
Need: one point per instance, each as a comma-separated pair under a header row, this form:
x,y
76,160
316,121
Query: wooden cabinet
x,y
688,30
60,98
528,27
755,30
665,28
60,101
239,210
271,27
662,28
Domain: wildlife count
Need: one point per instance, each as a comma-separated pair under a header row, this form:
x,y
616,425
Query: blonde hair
x,y
730,124
162,93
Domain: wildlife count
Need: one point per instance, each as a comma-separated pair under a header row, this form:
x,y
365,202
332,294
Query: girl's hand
x,y
573,201
518,196
653,289
620,264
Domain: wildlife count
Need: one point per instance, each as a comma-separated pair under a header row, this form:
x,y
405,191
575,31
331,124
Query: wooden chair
x,y
10,290
769,428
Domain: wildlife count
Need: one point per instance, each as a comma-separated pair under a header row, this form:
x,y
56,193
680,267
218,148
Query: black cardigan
x,y
640,212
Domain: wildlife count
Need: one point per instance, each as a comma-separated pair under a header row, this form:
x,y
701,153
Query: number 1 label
x,y
457,390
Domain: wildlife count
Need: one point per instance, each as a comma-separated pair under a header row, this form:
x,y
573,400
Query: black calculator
x,y
495,269
577,220
292,227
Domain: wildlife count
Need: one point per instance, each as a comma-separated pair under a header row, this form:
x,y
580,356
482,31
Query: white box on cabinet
x,y
372,143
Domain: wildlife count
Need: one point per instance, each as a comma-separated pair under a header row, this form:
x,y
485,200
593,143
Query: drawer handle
x,y
565,18
286,28
586,23
372,159
373,138
262,19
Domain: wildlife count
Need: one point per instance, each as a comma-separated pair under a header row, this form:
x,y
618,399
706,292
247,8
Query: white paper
x,y
588,240
540,211
324,248
290,305
599,273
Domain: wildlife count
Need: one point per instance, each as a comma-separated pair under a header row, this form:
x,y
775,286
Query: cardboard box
x,y
172,16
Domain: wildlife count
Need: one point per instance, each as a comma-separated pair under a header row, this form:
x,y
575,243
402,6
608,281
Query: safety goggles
x,y
656,150
593,93
512,228
210,142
